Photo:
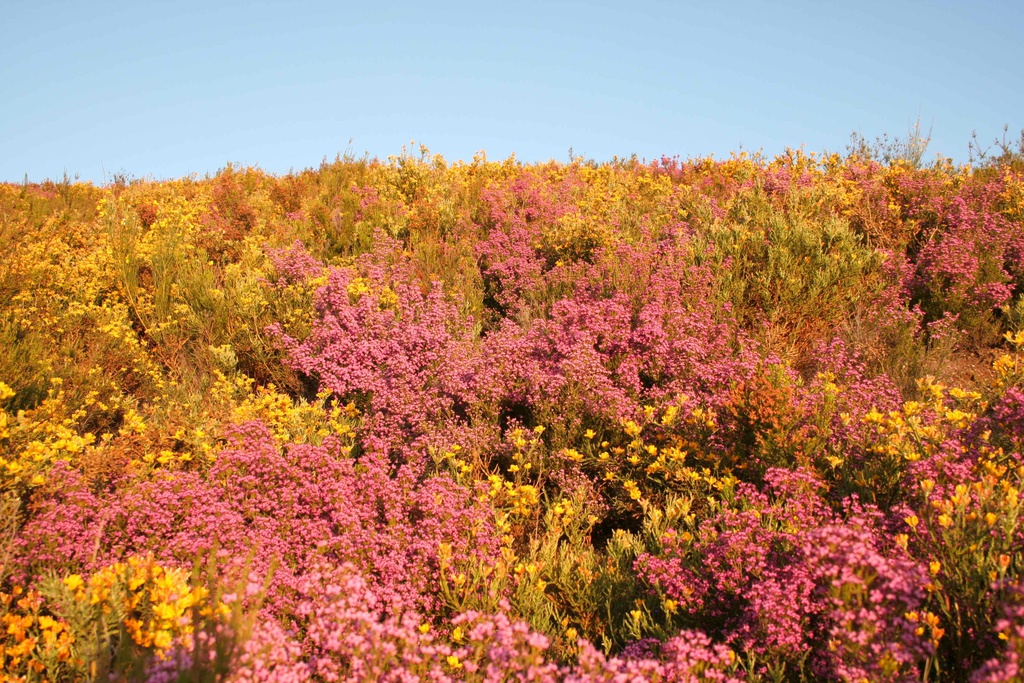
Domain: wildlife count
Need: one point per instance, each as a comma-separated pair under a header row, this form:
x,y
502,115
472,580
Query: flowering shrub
x,y
125,617
740,420
1011,632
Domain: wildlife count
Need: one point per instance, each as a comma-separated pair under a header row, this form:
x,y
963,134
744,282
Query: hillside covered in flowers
x,y
750,419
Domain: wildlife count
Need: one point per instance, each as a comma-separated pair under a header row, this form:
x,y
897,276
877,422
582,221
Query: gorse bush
x,y
740,420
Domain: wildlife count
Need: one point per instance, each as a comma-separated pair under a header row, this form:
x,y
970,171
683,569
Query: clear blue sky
x,y
165,89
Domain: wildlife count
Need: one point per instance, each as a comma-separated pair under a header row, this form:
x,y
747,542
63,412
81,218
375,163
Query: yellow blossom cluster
x,y
31,441
156,605
32,642
919,428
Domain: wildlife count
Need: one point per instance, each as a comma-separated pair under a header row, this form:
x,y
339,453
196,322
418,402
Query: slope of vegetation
x,y
738,420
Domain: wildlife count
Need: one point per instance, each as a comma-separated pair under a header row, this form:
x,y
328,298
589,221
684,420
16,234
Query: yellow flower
x,y
162,640
74,582
873,417
670,415
935,567
589,434
945,521
358,286
958,417
453,662
911,521
164,611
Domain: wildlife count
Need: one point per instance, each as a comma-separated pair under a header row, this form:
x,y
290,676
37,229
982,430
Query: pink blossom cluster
x,y
285,510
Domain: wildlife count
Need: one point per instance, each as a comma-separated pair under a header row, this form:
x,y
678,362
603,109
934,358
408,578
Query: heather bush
x,y
287,508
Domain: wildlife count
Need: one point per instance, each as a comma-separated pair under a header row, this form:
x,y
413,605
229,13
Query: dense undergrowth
x,y
740,420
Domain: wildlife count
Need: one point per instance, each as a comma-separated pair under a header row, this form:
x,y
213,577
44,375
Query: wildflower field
x,y
710,420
